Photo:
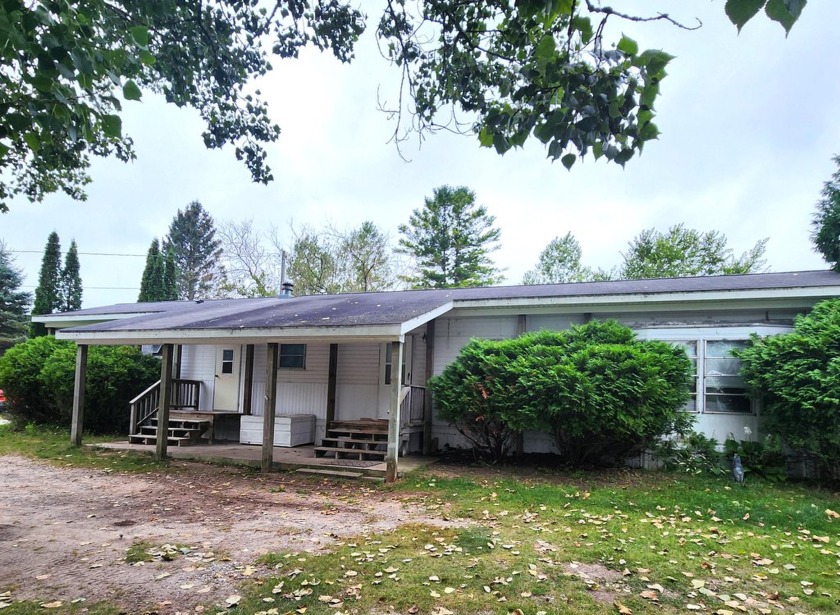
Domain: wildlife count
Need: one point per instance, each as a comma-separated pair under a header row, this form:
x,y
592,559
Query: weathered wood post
x,y
427,398
270,405
394,415
164,400
77,424
332,383
248,392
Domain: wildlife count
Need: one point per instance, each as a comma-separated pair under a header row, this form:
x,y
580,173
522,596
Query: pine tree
x,y
48,292
192,237
450,239
71,281
14,303
151,285
826,224
170,276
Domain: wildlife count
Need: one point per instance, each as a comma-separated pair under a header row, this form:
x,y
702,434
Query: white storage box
x,y
289,429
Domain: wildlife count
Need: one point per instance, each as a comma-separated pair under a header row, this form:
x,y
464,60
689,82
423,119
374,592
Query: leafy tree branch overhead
x,y
538,68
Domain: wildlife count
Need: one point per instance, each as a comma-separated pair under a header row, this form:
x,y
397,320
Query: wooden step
x,y
349,453
350,440
152,439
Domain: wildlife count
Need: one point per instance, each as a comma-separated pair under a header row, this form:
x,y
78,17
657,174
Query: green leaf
x,y
786,12
485,137
131,91
32,141
568,160
741,11
146,58
649,131
3,149
112,126
140,34
628,46
546,50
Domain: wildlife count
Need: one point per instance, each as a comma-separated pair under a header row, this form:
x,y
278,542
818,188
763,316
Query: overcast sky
x,y
749,125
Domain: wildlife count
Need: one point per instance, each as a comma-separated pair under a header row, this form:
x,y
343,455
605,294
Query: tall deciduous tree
x,y
450,240
560,262
48,291
367,260
251,260
687,252
71,281
521,68
14,303
197,251
826,224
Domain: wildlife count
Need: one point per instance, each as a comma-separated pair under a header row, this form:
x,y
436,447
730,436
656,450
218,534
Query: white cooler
x,y
289,429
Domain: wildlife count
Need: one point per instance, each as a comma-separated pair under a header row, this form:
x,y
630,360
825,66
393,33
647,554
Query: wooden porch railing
x,y
144,407
412,402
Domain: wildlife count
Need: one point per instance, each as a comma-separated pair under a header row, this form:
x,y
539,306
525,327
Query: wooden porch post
x,y
394,415
427,399
519,442
332,383
249,379
164,400
179,351
270,405
77,423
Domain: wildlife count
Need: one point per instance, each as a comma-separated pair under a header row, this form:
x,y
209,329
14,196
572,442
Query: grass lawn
x,y
524,541
623,542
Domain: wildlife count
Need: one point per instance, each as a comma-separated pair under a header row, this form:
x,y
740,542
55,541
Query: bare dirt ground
x,y
64,532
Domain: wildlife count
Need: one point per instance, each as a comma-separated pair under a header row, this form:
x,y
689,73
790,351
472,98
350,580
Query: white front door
x,y
226,387
388,371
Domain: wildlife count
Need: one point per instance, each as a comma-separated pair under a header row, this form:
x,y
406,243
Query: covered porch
x,y
369,368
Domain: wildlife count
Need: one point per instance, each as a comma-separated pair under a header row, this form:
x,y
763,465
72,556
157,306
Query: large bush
x,y
599,391
38,375
797,375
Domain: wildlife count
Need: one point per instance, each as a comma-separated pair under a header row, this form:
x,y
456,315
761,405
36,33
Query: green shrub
x,y
600,392
694,453
759,458
797,376
38,376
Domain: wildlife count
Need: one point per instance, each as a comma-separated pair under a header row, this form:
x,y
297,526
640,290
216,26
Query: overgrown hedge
x,y
797,375
600,392
37,377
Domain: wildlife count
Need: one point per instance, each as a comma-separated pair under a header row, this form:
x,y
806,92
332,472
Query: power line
x,y
80,253
93,287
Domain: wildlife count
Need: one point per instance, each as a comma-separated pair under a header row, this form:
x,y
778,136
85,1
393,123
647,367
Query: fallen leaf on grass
x,y
622,609
649,594
52,605
232,601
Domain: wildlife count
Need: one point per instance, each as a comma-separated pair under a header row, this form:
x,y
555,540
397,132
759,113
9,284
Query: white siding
x,y
552,322
199,363
452,334
357,391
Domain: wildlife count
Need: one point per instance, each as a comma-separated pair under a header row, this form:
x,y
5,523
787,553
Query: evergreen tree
x,y
197,252
826,223
151,284
71,281
170,276
449,240
14,303
48,291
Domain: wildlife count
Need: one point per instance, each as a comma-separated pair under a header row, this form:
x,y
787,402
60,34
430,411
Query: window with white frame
x,y
723,388
716,385
690,348
293,356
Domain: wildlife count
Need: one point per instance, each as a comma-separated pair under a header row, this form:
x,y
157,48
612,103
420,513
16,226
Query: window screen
x,y
691,350
227,361
293,355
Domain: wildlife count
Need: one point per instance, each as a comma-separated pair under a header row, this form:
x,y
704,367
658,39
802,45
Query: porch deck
x,y
299,457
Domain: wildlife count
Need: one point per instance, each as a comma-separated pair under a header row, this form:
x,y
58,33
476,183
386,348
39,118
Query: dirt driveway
x,y
64,532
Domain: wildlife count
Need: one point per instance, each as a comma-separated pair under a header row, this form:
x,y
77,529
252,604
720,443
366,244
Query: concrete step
x,y
330,473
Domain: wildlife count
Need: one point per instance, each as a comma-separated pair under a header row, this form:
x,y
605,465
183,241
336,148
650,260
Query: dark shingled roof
x,y
396,307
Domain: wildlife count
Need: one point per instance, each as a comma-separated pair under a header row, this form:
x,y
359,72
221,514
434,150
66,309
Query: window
x,y
293,356
406,358
227,361
724,389
691,350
